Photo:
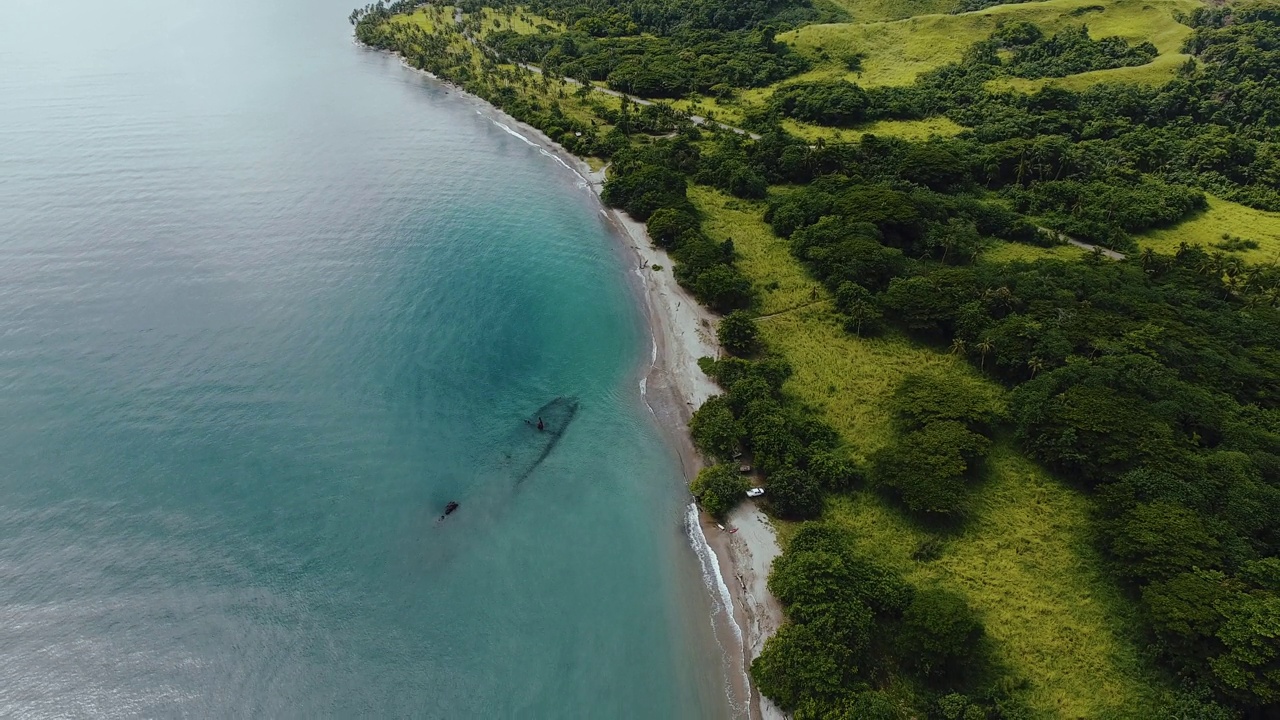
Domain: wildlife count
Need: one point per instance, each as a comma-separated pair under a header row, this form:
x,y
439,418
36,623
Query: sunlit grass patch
x,y
427,17
895,53
1023,558
1222,217
864,11
1026,562
1001,251
780,282
846,378
905,129
1157,72
726,112
519,20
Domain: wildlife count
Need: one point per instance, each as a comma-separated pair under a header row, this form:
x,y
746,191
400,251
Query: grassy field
x,y
1222,216
1025,564
1023,559
865,11
427,17
519,20
1000,252
905,129
899,41
898,51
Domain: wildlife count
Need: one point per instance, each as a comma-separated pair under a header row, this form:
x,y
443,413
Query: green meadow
x,y
1023,557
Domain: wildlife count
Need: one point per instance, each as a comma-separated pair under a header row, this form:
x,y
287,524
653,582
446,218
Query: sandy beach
x,y
683,331
673,387
745,547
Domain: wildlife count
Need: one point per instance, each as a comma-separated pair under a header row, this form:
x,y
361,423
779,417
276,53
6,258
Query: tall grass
x,y
895,53
1222,217
1024,558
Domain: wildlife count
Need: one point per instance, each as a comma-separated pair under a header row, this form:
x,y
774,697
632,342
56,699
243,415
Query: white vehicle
x,y
755,492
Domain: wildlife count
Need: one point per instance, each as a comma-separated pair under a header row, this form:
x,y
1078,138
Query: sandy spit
x,y
674,386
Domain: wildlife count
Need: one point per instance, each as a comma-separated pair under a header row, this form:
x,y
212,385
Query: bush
x,y
715,430
723,288
928,469
922,398
1158,540
938,630
645,190
833,471
667,226
738,334
719,488
798,663
838,102
795,494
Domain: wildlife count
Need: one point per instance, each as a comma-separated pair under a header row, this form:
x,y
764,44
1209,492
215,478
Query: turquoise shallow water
x,y
267,302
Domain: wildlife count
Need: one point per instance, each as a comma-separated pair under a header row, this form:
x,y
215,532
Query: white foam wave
x,y
711,576
526,140
721,600
544,151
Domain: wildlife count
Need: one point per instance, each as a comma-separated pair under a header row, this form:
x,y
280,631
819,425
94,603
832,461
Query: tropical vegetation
x,y
1134,383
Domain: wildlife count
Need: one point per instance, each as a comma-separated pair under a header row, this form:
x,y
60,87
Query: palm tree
x,y
984,347
959,346
1146,258
1035,364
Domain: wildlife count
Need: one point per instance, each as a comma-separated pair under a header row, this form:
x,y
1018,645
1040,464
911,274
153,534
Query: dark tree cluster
x,y
649,182
855,626
936,456
660,67
617,18
1067,52
838,103
798,454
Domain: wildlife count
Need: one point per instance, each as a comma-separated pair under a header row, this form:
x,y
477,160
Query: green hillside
x,y
1014,479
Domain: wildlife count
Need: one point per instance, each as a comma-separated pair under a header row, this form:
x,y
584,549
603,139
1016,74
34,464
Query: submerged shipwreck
x,y
535,439
543,432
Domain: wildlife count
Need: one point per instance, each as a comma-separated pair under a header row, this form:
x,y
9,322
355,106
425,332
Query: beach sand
x,y
673,387
684,331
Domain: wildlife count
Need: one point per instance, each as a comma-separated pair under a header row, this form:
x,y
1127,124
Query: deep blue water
x,y
267,301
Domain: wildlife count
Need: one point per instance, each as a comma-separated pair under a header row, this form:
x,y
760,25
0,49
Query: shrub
x,y
938,630
667,226
719,488
738,334
795,494
927,397
929,468
838,102
798,663
715,430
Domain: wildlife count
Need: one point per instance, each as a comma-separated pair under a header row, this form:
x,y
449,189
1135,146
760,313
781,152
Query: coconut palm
x,y
984,347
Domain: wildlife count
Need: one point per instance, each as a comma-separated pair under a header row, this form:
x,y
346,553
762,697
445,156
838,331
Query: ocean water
x,y
268,301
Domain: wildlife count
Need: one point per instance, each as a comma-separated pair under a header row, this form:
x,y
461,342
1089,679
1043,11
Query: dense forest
x,y
1151,384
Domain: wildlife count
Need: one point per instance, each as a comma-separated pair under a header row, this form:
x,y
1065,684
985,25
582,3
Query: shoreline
x,y
673,386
